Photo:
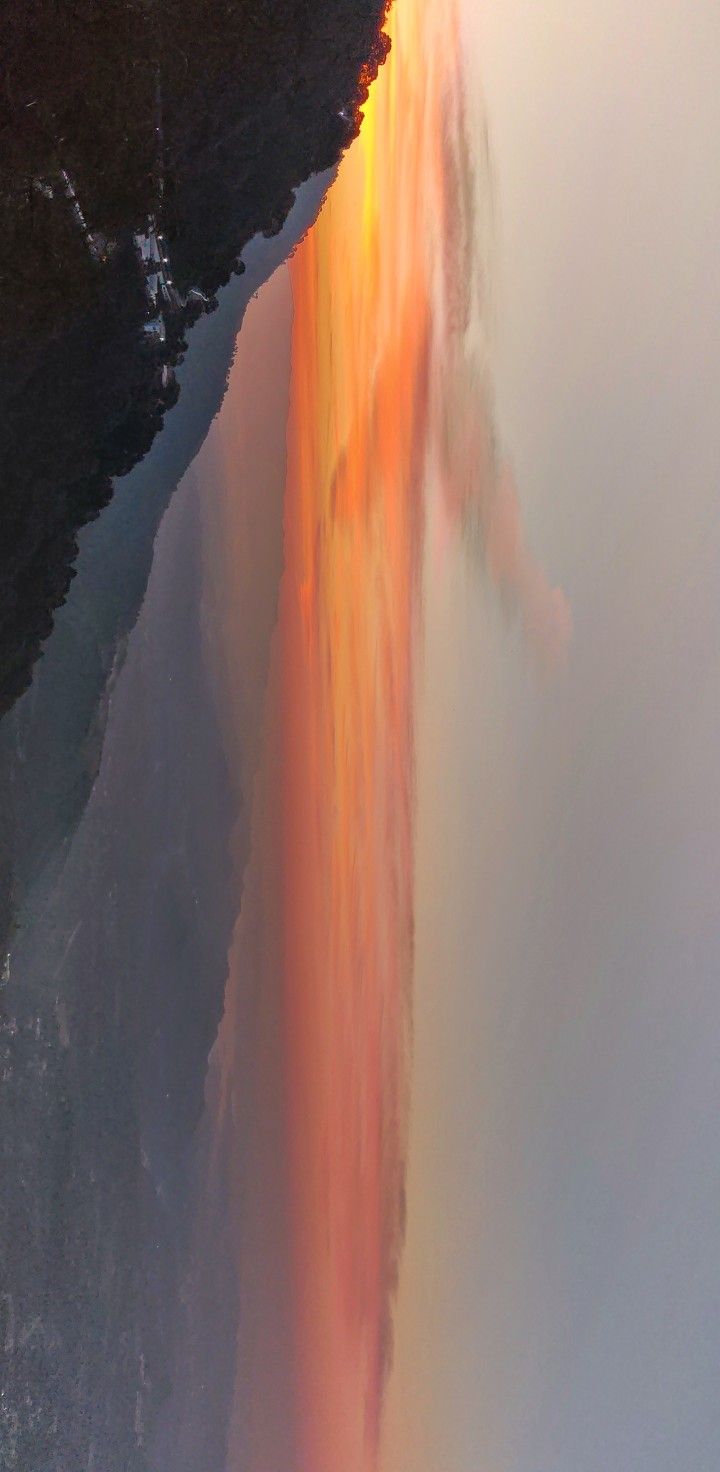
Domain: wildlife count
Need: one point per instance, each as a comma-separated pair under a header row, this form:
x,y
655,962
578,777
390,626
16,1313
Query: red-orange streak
x,y
348,624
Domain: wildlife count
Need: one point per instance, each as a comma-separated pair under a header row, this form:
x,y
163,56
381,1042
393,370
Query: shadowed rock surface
x,y
122,121
113,962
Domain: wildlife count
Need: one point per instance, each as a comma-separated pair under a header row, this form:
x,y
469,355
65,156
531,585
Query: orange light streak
x,y
348,621
312,1061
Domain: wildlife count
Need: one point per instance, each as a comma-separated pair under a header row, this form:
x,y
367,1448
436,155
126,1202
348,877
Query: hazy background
x,y
560,1300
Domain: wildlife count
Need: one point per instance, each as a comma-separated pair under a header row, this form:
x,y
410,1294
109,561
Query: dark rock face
x,y
122,122
117,116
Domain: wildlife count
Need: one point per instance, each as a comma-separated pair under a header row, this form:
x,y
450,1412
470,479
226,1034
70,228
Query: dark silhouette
x,y
141,146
